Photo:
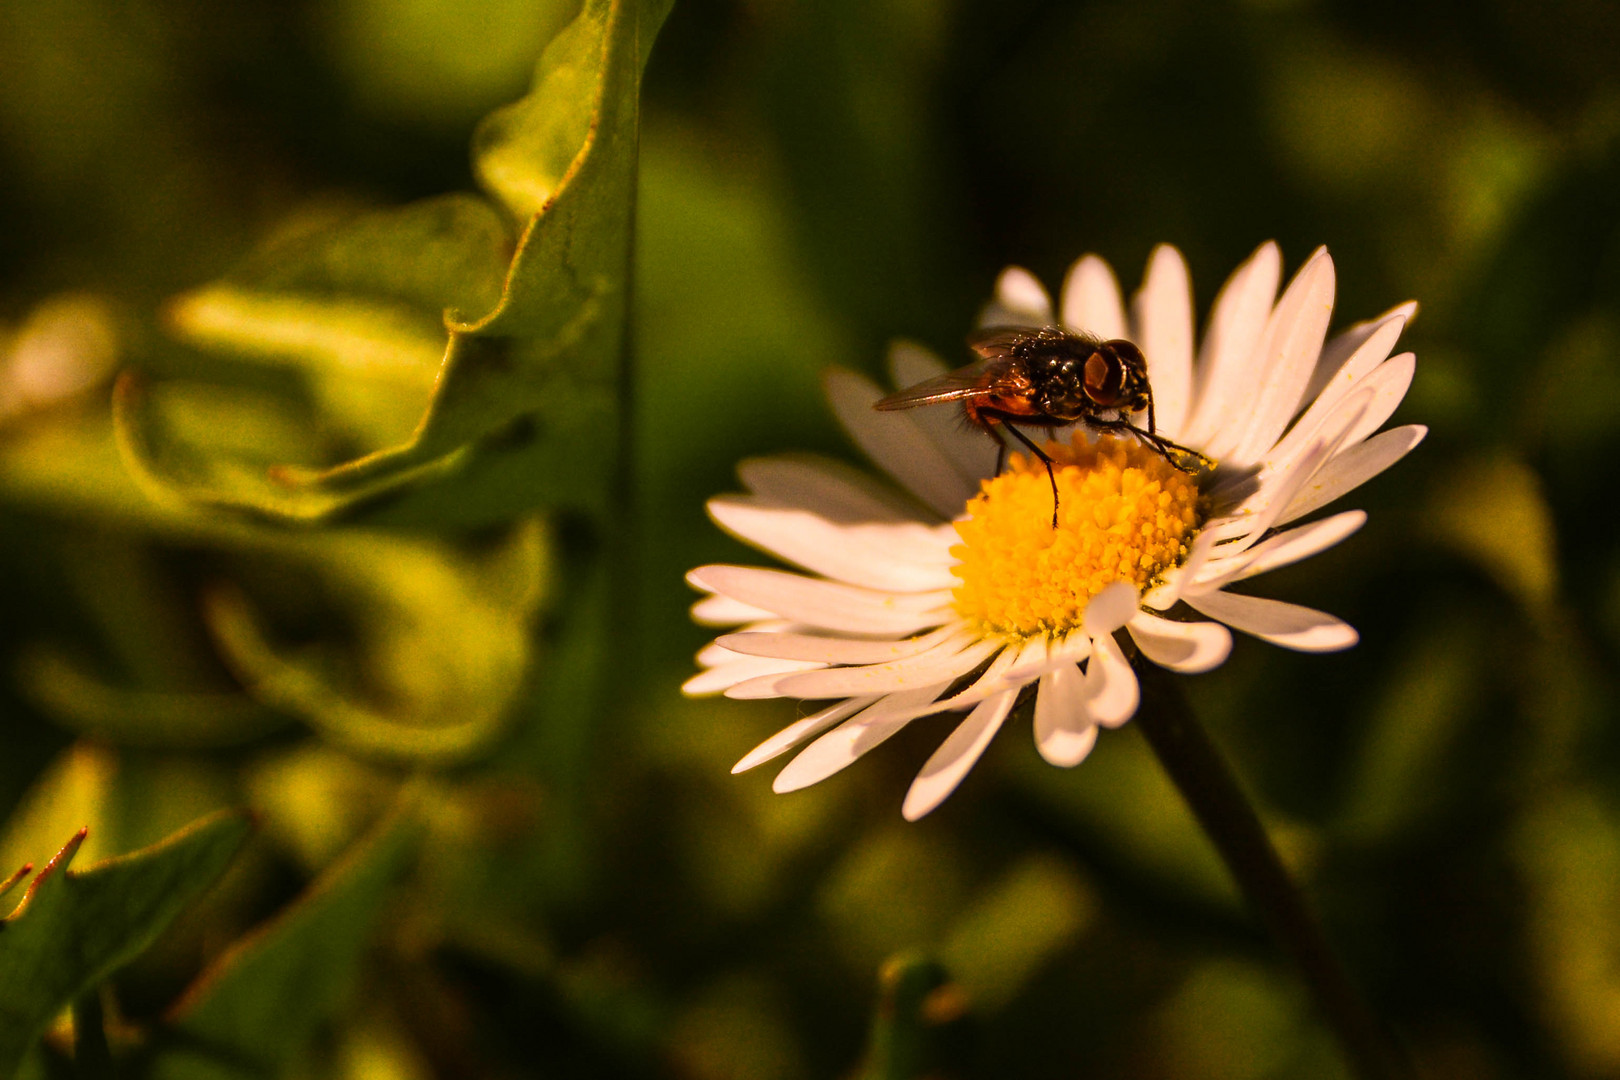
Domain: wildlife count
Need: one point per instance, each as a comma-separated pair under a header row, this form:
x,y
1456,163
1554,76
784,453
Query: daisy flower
x,y
966,598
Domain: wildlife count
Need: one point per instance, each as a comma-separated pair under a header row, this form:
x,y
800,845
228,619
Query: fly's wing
x,y
959,385
1001,342
997,342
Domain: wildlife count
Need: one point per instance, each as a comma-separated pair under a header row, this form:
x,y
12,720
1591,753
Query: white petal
x,y
1185,647
1111,691
714,654
1074,647
911,363
836,491
895,442
828,605
744,669
1109,610
1163,596
1263,509
995,679
1385,386
1091,300
909,557
1286,358
1339,351
1290,547
945,662
830,650
1064,731
841,746
1288,625
956,755
1223,374
1337,372
1352,468
1020,300
724,611
1162,325
796,733
973,454
1388,383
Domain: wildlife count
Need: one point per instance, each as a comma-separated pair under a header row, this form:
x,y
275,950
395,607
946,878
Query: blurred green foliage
x,y
402,609
74,927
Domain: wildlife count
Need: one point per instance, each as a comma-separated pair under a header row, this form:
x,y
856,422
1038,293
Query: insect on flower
x,y
1049,377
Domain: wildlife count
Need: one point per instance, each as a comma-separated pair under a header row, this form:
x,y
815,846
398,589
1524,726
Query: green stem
x,y
92,1058
1212,792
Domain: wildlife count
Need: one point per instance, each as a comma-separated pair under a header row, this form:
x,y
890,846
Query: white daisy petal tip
x,y
910,362
1020,293
960,751
1288,625
1064,729
698,576
1091,299
1066,749
1112,692
841,383
718,610
1188,648
1110,609
798,732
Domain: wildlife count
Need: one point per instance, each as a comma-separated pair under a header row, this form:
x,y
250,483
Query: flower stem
x,y
1212,792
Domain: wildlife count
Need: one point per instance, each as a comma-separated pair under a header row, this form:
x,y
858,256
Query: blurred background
x,y
594,895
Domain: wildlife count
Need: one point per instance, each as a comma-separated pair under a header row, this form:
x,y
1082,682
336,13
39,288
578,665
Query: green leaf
x,y
1024,920
16,879
423,645
73,929
259,1006
436,654
520,385
72,692
70,794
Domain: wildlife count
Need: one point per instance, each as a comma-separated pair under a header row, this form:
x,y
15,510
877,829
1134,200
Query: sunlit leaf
x,y
139,717
440,643
73,929
522,391
1496,514
423,650
1237,1020
258,1007
1568,847
1022,922
1130,808
70,794
1413,728
893,889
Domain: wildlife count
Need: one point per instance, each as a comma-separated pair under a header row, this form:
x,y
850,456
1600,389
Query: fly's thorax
x,y
1058,384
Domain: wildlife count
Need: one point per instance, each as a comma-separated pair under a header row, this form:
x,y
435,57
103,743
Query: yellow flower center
x,y
1124,514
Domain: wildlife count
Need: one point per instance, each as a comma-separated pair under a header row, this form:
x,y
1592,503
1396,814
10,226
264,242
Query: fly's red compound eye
x,y
1105,378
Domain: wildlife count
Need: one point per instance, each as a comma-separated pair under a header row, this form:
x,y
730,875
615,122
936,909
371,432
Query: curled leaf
x,y
437,652
414,367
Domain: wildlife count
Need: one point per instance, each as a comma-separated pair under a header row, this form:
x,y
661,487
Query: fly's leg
x,y
1183,458
1045,460
994,431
